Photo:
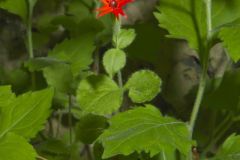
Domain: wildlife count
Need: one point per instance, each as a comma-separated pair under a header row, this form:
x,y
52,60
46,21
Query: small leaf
x,y
90,127
124,38
143,86
114,60
26,114
99,95
14,147
230,149
144,129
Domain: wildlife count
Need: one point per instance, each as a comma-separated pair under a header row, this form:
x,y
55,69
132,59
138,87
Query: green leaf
x,y
6,96
53,146
14,147
144,129
77,52
18,7
230,149
143,86
59,76
99,95
26,114
184,19
114,60
225,12
90,127
231,39
124,38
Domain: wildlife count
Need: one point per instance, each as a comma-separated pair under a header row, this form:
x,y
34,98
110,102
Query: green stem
x,y
209,17
116,30
30,43
202,83
120,81
29,38
70,118
197,103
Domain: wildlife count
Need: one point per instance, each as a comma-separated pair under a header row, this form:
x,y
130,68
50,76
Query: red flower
x,y
114,6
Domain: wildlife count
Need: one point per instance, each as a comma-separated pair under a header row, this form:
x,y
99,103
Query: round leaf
x,y
113,61
143,86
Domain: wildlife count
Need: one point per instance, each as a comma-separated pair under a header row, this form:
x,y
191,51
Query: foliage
x,y
85,88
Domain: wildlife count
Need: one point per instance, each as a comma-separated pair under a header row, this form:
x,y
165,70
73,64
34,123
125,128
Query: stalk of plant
x,y
70,118
202,82
116,30
96,54
30,40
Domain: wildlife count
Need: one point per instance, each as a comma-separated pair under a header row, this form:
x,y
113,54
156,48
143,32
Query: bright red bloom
x,y
113,6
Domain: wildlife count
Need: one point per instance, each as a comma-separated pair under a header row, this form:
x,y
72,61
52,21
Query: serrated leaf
x,y
18,7
59,76
144,129
99,95
90,127
230,149
78,52
124,38
114,60
26,114
184,19
143,86
14,147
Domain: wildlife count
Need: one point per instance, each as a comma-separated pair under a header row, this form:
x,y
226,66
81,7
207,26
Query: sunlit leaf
x,y
114,60
26,114
143,86
14,147
99,95
144,129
